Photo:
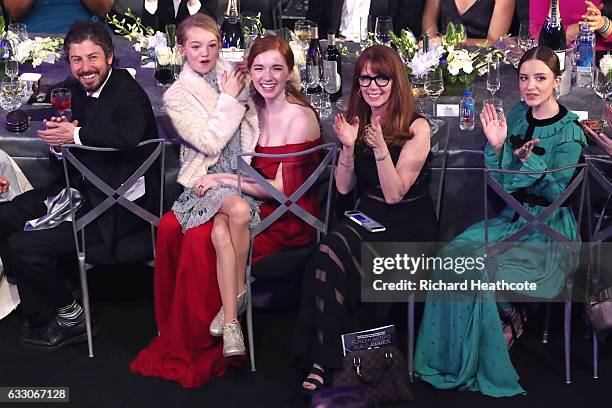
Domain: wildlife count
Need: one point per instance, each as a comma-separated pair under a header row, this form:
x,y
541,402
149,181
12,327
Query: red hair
x,y
276,43
400,106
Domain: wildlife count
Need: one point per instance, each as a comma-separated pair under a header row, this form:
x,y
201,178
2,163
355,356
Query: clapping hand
x,y
345,131
593,16
4,184
58,131
495,128
232,83
524,151
602,139
373,134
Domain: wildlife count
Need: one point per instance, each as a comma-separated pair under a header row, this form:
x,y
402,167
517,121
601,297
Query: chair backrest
x,y
290,203
440,131
604,182
114,196
533,222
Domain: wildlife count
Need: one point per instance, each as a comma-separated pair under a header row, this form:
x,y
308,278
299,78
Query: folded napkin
x,y
58,210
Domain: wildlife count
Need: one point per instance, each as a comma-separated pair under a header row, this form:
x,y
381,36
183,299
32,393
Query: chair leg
x,y
595,356
546,323
249,317
567,338
86,309
411,337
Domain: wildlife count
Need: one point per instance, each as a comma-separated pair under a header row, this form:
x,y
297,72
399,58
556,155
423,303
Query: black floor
x,y
124,312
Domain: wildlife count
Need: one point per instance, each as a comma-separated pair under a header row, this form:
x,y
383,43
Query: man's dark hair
x,y
93,31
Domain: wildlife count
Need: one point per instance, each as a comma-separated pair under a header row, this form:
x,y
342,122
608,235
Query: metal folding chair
x,y
114,197
287,203
440,131
597,235
537,223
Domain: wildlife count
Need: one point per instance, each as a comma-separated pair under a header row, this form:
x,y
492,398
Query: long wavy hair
x,y
399,108
276,43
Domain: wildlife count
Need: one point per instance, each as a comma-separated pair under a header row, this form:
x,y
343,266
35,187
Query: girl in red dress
x,y
200,262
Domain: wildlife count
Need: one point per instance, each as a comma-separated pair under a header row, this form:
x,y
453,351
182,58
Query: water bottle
x,y
466,111
585,53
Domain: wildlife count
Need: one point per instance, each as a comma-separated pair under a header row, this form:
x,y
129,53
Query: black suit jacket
x,y
120,118
165,13
405,14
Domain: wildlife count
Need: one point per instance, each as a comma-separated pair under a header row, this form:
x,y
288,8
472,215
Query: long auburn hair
x,y
400,106
276,43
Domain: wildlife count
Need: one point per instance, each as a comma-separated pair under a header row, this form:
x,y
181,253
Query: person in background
x,y
159,13
596,12
55,16
343,16
484,20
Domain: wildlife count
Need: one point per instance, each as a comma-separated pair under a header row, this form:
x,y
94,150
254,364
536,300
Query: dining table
x,y
457,155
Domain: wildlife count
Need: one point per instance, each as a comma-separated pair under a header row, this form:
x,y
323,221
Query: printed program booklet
x,y
368,339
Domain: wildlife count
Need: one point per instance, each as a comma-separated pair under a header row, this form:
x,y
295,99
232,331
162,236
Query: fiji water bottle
x,y
585,56
466,111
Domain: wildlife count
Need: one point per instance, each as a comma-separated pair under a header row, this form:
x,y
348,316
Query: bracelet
x,y
381,158
605,27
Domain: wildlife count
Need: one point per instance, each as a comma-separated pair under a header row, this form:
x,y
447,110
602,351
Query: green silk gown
x,y
461,343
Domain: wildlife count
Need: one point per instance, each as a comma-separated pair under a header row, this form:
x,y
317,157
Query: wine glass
x,y
10,94
303,33
526,38
601,84
493,78
418,92
384,26
20,31
11,68
366,30
434,86
61,99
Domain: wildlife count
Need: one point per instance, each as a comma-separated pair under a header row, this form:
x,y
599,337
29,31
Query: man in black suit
x,y
159,13
330,13
109,109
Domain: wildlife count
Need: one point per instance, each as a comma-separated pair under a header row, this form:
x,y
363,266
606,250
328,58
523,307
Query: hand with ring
x,y
593,16
374,137
204,183
523,152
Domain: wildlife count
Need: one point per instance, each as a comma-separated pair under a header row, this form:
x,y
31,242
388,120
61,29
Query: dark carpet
x,y
123,307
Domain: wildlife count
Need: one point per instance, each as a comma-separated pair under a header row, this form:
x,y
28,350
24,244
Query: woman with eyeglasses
x,y
383,158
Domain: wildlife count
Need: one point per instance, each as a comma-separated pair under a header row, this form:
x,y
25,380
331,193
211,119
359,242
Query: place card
x,y
582,115
447,109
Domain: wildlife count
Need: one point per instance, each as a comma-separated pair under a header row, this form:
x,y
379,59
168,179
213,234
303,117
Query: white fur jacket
x,y
206,121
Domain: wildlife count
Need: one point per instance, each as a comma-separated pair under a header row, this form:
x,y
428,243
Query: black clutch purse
x,y
382,371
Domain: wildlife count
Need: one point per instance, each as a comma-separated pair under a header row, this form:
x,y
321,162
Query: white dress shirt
x,y
352,12
151,7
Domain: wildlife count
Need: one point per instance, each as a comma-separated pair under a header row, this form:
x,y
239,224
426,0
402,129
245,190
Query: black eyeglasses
x,y
366,80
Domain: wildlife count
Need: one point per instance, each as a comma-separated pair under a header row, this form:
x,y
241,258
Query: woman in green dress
x,y
461,343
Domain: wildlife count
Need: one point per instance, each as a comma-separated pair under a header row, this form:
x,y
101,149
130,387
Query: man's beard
x,y
94,88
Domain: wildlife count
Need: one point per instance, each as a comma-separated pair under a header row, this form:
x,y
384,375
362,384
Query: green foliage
x,y
132,31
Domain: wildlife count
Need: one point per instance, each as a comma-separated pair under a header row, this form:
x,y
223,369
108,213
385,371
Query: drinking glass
x,y
601,84
11,68
418,92
497,104
383,27
331,79
434,86
493,78
27,89
302,31
366,31
526,38
10,94
20,31
61,99
321,102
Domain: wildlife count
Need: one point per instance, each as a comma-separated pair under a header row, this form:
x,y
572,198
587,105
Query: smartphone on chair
x,y
365,221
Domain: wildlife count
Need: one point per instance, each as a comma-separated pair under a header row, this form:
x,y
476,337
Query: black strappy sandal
x,y
318,384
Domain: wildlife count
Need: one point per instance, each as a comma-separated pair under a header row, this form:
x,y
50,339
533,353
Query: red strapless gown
x,y
187,296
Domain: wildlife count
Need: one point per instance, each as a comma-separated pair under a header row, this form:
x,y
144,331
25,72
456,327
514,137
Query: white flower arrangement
x,y
422,61
605,64
38,50
164,55
458,61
